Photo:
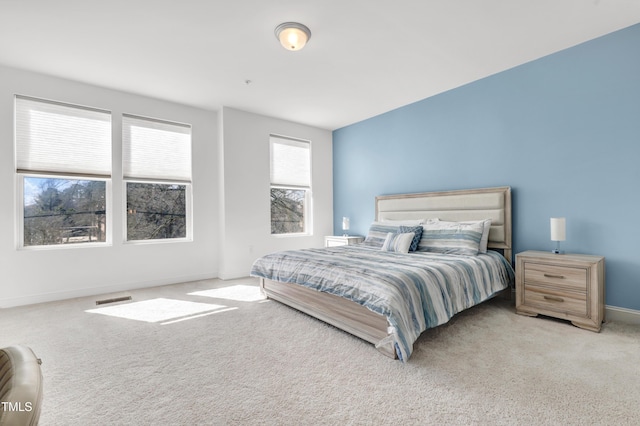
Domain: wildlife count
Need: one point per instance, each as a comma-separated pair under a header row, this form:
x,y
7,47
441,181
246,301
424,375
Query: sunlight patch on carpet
x,y
240,293
198,316
156,310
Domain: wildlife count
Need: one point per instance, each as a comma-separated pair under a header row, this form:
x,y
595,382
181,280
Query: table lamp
x,y
345,226
558,232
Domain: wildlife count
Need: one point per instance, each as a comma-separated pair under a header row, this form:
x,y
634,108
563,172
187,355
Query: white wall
x,y
244,175
31,276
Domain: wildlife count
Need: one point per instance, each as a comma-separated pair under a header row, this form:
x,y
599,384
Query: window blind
x,y
155,149
54,137
290,162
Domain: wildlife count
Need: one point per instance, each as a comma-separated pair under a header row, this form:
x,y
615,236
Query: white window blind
x,y
155,149
290,162
53,137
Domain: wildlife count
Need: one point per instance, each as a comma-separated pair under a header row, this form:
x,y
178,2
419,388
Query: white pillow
x,y
486,227
398,243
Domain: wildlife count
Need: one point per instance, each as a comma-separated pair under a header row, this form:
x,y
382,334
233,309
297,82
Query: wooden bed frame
x,y
460,205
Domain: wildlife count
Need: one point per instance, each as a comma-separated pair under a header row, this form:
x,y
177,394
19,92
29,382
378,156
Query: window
x,y
290,185
156,166
63,164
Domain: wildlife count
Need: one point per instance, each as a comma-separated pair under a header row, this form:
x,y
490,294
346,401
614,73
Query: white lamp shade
x,y
558,229
345,223
292,35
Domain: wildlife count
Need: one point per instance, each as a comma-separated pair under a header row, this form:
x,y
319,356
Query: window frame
x,y
308,198
188,183
20,176
41,172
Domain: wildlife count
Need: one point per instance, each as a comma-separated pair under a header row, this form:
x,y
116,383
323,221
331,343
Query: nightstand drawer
x,y
567,277
555,300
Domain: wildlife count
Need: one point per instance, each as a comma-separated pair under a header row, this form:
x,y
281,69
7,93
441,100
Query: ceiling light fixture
x,y
292,35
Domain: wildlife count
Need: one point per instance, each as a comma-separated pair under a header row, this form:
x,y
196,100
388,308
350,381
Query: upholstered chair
x,y
20,387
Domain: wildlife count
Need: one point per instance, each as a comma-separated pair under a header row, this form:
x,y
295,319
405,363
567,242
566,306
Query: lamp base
x,y
557,249
345,235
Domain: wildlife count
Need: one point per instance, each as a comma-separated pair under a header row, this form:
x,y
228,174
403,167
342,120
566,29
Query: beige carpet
x,y
254,362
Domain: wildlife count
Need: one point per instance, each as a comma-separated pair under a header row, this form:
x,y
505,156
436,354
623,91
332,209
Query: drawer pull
x,y
554,298
553,276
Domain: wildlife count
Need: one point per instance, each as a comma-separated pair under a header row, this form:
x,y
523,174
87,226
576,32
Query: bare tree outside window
x,y
290,161
287,210
63,211
156,211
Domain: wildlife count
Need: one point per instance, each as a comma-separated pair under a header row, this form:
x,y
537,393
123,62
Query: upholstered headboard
x,y
460,205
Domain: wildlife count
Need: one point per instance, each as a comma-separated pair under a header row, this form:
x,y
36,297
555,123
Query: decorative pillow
x,y
417,230
398,243
486,227
378,232
451,239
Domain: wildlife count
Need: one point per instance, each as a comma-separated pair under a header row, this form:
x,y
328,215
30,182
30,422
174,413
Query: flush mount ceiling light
x,y
292,35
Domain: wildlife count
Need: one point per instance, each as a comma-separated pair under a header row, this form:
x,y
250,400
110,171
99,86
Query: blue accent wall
x,y
563,131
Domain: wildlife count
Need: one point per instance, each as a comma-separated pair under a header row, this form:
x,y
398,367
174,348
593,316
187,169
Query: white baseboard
x,y
232,275
629,316
94,291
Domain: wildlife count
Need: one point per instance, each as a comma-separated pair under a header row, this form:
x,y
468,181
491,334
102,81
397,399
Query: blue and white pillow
x,y
417,230
486,228
451,238
378,231
398,243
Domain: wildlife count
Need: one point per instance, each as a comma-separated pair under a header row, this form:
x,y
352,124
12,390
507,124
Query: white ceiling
x,y
365,57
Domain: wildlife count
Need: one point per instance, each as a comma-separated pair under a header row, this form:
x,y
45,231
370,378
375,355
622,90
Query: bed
x,y
388,297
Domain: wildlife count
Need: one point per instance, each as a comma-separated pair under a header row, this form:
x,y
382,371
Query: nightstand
x,y
566,286
340,240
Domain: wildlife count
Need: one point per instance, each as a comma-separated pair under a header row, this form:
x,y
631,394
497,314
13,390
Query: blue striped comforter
x,y
414,291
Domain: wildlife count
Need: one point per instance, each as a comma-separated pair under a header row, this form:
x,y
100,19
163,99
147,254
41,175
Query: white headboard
x,y
459,205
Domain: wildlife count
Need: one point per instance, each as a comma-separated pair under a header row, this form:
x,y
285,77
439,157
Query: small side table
x,y
567,286
340,240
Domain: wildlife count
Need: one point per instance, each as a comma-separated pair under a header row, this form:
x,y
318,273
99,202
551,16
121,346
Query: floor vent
x,y
115,299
